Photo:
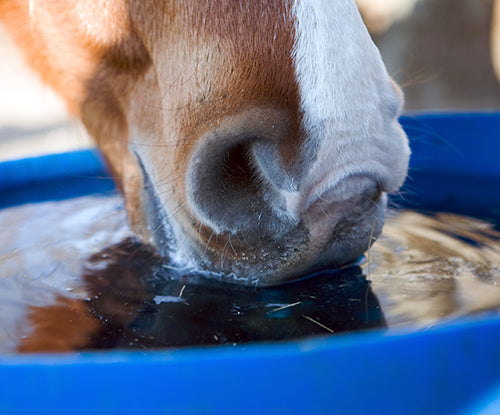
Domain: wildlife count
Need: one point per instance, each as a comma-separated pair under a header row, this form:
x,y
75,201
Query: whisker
x,y
157,229
175,83
232,247
367,292
199,232
222,256
168,179
369,200
369,258
169,145
208,243
174,212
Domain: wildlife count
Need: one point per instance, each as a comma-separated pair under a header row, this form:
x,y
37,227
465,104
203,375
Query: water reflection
x,y
85,283
143,304
428,268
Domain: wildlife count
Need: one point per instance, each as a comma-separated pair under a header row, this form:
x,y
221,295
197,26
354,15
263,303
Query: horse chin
x,y
261,257
294,256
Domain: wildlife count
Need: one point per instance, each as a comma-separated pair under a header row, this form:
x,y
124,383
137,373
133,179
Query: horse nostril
x,y
223,188
357,188
237,175
227,188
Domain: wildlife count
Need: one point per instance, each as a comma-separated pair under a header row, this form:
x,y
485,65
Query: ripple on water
x,y
73,277
428,268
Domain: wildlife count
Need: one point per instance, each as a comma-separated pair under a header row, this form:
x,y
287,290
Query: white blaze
x,y
348,101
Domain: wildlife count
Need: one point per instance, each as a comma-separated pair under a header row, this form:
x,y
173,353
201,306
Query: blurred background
x,y
33,120
437,50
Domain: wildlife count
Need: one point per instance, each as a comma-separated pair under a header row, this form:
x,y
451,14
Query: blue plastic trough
x,y
450,369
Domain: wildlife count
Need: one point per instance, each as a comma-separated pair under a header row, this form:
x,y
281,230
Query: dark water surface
x,y
145,304
72,277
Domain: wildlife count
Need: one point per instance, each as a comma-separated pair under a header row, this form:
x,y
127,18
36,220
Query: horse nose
x,y
236,179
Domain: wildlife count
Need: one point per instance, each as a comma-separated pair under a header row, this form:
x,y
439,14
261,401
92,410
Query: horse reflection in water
x,y
426,269
137,301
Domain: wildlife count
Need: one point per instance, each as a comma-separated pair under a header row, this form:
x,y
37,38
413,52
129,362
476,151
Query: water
x,y
429,268
72,277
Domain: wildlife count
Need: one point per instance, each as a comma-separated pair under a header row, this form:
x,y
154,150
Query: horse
x,y
257,140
